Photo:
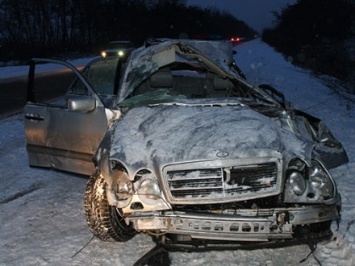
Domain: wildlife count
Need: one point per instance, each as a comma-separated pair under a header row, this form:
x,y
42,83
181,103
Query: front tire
x,y
104,221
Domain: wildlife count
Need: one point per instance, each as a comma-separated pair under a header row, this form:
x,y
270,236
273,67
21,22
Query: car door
x,y
63,133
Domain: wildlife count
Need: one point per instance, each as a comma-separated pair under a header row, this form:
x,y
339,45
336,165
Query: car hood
x,y
163,134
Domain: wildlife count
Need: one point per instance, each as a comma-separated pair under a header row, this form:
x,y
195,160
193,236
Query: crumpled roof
x,y
144,61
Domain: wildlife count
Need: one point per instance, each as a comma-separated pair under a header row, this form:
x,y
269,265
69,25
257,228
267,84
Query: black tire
x,y
104,221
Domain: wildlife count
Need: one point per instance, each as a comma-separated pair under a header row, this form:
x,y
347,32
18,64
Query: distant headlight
x,y
103,54
120,53
149,190
320,180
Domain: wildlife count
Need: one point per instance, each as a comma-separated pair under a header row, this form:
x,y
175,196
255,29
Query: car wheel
x,y
104,221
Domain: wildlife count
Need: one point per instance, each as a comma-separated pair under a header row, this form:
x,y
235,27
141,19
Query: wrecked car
x,y
180,146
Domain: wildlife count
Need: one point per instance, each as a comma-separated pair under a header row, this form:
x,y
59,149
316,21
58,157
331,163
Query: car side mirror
x,y
82,104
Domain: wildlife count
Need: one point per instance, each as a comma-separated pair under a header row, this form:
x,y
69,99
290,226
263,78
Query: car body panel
x,y
69,147
63,135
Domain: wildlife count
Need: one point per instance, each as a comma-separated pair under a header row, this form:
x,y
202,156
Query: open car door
x,y
63,133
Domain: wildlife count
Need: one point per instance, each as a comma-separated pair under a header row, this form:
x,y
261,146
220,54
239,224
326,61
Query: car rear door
x,y
64,132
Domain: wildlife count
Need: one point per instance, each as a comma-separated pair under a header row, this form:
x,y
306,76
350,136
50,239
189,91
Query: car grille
x,y
223,184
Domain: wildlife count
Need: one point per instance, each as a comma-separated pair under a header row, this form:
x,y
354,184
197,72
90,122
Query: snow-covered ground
x,y
42,219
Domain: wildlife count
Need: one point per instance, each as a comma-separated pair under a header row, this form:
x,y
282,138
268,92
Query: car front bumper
x,y
243,225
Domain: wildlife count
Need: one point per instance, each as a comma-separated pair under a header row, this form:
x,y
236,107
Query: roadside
x,y
21,71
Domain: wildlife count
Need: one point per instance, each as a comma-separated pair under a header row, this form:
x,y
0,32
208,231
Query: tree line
x,y
317,34
47,28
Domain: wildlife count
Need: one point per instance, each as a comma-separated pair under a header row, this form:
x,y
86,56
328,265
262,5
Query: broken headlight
x,y
296,177
320,180
124,188
120,188
297,183
308,183
148,189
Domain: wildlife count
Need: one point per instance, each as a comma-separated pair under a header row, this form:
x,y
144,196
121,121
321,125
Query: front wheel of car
x,y
104,221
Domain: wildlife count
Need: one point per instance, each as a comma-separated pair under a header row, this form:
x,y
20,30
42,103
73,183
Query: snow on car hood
x,y
162,134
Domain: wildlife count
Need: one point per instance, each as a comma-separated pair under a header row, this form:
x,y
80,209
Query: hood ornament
x,y
222,153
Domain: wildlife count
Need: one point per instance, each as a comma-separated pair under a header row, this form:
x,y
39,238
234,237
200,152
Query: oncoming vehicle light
x,y
103,54
120,53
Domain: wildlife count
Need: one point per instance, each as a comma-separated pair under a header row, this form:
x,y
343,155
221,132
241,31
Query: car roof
x,y
146,60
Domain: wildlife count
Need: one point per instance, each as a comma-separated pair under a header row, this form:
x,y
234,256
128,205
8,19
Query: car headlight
x,y
296,177
320,180
149,190
308,183
103,54
297,183
120,53
124,187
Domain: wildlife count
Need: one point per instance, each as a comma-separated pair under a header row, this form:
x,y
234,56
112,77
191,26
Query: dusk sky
x,y
255,13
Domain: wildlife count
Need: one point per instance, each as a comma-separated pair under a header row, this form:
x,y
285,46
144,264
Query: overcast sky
x,y
255,13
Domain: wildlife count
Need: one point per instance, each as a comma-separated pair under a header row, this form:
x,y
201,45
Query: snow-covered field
x,y
22,71
42,219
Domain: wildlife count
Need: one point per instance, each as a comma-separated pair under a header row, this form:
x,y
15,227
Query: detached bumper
x,y
243,225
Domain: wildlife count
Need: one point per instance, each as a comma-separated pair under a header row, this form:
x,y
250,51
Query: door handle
x,y
34,117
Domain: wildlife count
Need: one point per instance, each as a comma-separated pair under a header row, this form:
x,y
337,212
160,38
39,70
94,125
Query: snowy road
x,y
42,219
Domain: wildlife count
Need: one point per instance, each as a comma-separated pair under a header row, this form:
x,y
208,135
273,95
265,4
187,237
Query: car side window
x,y
78,87
50,87
101,75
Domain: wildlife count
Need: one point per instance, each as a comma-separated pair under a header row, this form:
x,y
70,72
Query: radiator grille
x,y
223,183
